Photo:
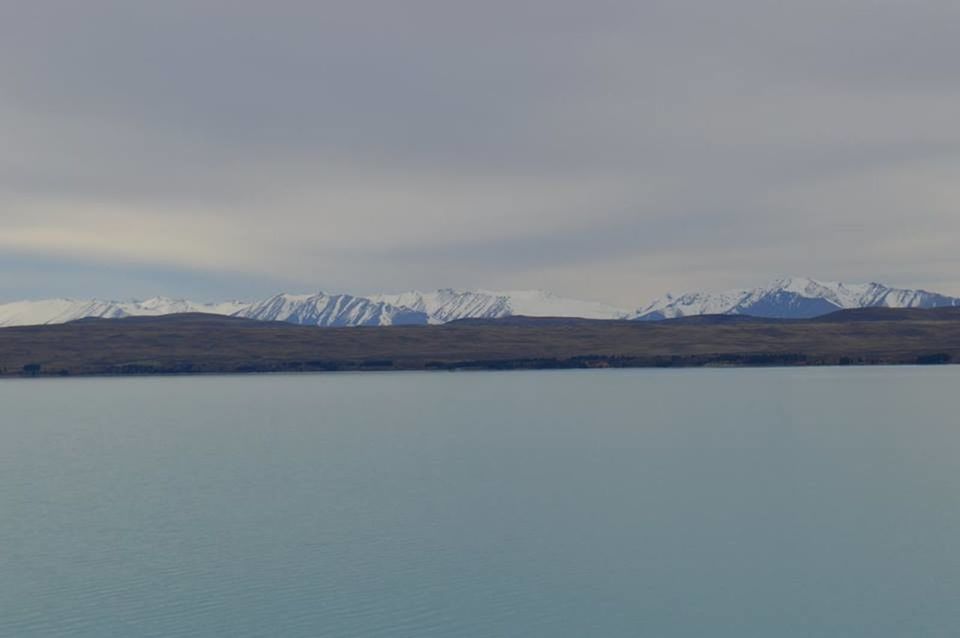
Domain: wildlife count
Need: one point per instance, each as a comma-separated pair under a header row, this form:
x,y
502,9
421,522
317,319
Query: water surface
x,y
660,503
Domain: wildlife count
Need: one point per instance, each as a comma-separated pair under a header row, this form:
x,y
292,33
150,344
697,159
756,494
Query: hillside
x,y
198,343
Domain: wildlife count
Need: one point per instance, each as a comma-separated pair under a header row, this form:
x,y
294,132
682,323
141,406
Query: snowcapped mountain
x,y
331,310
165,306
416,307
446,305
317,310
321,309
792,298
47,311
784,298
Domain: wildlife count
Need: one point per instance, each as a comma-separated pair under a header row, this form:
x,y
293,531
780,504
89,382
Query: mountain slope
x,y
450,305
793,298
331,310
53,311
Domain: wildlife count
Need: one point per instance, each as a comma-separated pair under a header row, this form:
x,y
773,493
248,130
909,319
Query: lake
x,y
664,503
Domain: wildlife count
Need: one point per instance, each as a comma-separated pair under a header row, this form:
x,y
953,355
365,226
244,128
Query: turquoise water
x,y
662,503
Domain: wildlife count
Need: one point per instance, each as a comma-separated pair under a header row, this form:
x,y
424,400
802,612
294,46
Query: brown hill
x,y
208,343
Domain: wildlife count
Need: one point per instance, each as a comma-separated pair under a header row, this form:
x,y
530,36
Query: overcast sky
x,y
607,150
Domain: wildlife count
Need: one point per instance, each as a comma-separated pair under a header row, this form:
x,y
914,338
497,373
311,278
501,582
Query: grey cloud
x,y
607,148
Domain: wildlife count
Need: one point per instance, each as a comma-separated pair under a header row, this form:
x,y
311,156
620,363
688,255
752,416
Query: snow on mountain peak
x,y
448,304
792,297
788,297
321,309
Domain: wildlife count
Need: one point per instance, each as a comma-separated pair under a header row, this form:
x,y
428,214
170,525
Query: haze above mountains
x,y
791,298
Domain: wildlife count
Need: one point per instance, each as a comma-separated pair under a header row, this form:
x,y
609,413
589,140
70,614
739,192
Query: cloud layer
x,y
610,150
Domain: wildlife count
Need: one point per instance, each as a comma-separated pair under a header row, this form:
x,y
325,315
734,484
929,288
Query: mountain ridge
x,y
786,298
792,298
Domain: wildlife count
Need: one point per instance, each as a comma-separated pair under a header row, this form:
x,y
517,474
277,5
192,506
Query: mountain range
x,y
791,298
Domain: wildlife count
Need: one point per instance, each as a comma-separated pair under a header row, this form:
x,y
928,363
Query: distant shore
x,y
197,344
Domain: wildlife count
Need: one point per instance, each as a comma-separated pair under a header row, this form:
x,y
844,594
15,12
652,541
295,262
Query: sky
x,y
599,149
